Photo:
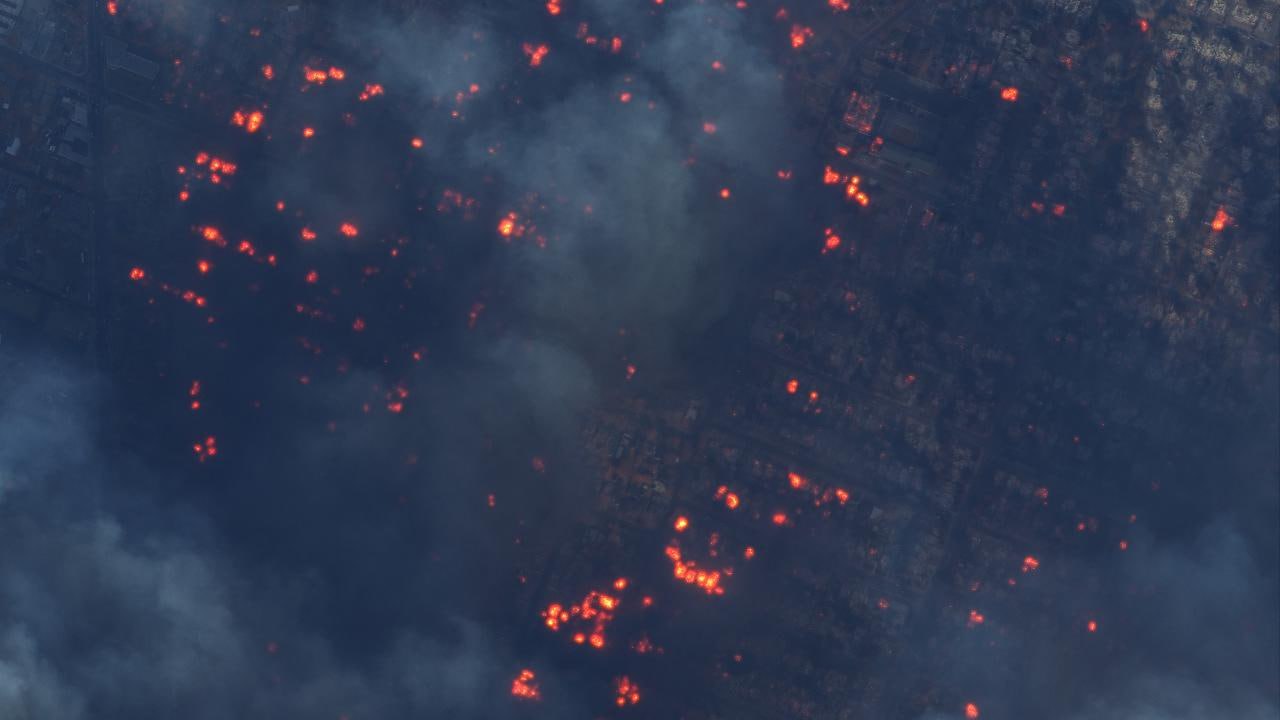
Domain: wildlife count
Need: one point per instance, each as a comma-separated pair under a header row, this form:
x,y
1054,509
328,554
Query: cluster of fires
x,y
588,621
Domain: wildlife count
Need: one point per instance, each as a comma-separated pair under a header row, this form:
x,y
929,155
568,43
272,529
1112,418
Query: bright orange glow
x,y
829,176
308,132
797,481
202,267
1143,25
349,229
749,553
793,386
308,234
337,73
624,97
536,53
628,693
971,711
687,572
112,7
509,226
976,618
779,518
596,609
1220,220
268,72
524,687
724,193
1093,626
1009,94
137,274
1030,564
205,450
371,90
251,121
838,5
832,242
842,495
681,524
416,143
800,35
553,7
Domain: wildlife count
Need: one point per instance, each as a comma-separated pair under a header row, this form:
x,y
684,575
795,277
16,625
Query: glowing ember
x,y
687,571
800,35
628,692
1092,626
510,226
251,120
1220,220
349,229
416,143
207,449
596,608
1030,564
1009,94
524,686
779,518
553,7
213,235
536,53
681,524
797,481
793,386
137,274
730,500
971,711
